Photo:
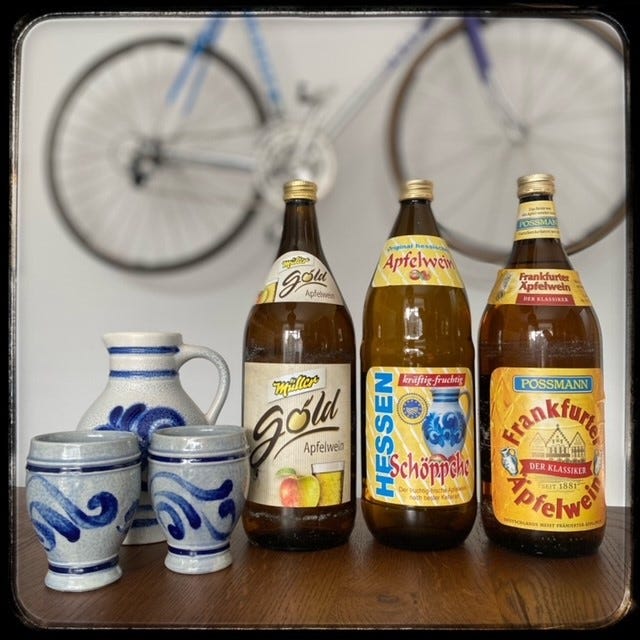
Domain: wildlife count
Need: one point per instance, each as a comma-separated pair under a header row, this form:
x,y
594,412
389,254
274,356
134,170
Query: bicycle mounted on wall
x,y
163,149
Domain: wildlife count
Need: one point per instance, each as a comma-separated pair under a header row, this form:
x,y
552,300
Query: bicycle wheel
x,y
143,186
564,80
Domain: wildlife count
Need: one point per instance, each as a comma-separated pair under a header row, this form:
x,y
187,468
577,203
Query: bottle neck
x,y
300,229
537,241
415,217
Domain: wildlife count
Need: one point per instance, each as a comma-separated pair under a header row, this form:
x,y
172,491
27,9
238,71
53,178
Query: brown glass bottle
x,y
541,394
299,394
417,391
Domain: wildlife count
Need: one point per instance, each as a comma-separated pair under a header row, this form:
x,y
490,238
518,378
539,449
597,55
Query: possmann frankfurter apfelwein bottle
x,y
541,393
299,394
417,387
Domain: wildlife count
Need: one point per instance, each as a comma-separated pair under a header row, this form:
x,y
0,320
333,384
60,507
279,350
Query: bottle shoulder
x,y
300,310
421,326
533,315
539,253
402,296
304,327
540,336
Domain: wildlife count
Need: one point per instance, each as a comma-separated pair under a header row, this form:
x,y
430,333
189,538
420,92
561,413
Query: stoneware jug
x,y
144,394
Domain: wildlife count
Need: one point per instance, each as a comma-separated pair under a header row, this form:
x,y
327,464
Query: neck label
x,y
540,287
416,260
537,219
298,276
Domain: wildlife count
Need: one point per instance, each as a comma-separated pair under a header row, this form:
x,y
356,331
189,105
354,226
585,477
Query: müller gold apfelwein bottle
x,y
417,387
299,394
541,393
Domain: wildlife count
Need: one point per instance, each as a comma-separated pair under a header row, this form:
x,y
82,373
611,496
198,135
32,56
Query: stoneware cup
x,y
198,483
82,490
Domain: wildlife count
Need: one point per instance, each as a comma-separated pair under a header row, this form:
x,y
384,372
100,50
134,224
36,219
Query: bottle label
x,y
420,436
537,219
547,448
298,276
548,287
416,259
300,433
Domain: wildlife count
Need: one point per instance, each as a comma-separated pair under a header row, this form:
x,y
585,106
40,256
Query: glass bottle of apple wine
x,y
417,387
299,394
541,393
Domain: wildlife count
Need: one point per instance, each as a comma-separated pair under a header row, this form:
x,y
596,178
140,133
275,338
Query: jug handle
x,y
189,352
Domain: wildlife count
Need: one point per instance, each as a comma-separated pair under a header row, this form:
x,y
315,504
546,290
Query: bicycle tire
x,y
175,215
465,190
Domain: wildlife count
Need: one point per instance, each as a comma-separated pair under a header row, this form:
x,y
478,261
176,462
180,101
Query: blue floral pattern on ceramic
x,y
70,519
184,514
445,429
142,421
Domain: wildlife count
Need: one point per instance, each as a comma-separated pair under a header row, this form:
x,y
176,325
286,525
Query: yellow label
x,y
420,442
544,287
547,448
537,219
298,424
421,260
298,276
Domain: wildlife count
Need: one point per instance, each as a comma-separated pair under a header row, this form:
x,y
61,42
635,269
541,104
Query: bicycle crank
x,y
292,150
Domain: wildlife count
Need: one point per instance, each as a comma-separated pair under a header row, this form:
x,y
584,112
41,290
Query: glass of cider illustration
x,y
331,478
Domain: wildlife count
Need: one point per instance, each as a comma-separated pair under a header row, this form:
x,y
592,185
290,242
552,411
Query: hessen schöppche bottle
x,y
541,393
417,388
299,392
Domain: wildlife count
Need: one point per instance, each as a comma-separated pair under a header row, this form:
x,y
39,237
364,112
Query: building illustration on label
x,y
558,455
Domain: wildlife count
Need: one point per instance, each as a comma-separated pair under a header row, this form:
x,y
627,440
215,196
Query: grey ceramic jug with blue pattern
x,y
144,394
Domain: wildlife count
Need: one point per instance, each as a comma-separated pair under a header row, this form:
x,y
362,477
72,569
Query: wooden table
x,y
360,585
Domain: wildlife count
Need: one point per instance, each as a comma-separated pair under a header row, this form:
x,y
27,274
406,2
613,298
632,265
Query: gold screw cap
x,y
421,189
536,183
300,190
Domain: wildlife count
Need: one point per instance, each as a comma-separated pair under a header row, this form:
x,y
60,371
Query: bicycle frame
x,y
208,37
336,122
204,129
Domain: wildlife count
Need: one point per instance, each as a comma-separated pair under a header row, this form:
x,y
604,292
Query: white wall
x,y
66,299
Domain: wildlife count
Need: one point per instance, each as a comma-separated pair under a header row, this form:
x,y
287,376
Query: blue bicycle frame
x,y
212,31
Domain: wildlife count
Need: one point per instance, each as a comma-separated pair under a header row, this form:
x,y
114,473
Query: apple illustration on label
x,y
298,490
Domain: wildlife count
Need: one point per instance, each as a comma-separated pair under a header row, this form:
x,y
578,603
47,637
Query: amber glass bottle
x,y
299,392
417,386
541,396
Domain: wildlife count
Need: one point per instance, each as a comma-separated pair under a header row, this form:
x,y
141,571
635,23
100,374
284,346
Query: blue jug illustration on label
x,y
445,426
